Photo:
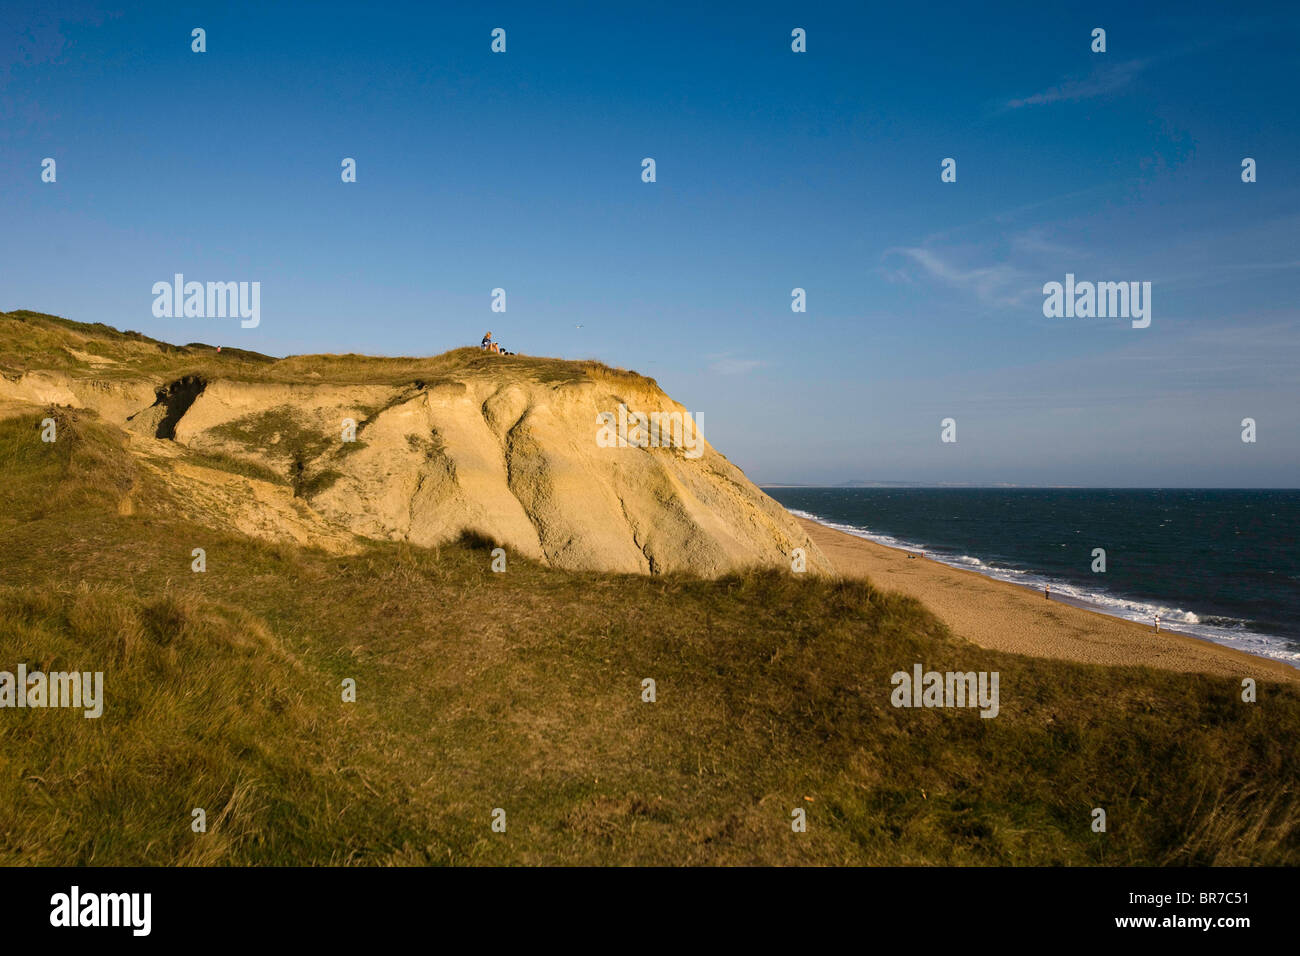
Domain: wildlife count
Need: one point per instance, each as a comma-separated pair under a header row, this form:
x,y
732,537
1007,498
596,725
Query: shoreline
x,y
1005,616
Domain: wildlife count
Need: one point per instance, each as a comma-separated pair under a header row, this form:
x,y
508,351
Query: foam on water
x,y
1228,631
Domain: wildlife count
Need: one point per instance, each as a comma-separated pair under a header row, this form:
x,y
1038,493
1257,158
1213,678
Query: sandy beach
x,y
1007,617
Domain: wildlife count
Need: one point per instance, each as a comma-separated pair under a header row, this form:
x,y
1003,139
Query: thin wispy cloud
x,y
1103,81
1035,242
1058,206
999,284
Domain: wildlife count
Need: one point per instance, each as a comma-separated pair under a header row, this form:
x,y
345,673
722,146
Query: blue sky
x,y
775,170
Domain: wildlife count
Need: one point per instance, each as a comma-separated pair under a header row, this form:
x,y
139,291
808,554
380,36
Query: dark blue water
x,y
1222,565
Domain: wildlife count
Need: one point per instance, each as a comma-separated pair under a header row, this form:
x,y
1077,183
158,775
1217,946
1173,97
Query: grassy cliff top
x,y
34,341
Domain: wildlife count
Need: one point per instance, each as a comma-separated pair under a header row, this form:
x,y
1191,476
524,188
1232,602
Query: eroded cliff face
x,y
496,452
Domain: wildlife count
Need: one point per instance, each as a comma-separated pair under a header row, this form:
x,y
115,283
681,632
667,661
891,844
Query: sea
x,y
1222,565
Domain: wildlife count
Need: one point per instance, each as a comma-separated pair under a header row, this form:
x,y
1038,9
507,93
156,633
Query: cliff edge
x,y
544,457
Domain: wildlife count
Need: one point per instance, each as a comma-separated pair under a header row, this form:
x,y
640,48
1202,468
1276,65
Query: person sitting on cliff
x,y
488,345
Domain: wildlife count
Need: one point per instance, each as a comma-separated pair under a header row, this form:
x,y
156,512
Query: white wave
x,y
1231,633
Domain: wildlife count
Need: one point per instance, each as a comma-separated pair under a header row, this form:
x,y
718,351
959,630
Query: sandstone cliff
x,y
326,449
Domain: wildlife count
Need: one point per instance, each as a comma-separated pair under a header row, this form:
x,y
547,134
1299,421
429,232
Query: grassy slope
x,y
36,341
522,690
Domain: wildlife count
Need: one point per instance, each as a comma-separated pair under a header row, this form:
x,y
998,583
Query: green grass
x,y
32,340
522,691
276,432
236,466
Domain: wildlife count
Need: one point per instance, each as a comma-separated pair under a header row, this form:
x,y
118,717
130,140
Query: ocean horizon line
x,y
1011,486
